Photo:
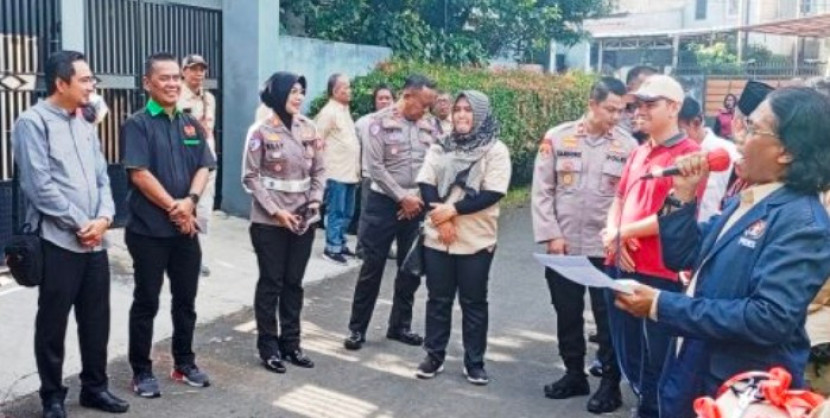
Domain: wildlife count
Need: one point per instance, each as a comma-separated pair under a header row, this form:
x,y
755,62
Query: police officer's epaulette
x,y
558,129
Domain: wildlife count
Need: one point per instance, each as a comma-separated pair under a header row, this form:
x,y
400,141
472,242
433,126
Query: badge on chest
x,y
752,234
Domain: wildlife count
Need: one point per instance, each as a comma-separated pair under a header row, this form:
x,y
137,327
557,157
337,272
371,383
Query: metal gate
x,y
120,34
29,32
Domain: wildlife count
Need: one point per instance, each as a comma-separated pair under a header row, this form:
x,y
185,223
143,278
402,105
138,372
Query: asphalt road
x,y
377,381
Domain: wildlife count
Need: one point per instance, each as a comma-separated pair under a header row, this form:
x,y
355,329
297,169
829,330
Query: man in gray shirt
x,y
63,176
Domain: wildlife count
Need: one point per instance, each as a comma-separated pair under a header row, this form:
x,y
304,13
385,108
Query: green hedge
x,y
526,104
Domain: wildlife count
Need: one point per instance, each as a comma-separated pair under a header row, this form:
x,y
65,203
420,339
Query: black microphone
x,y
718,160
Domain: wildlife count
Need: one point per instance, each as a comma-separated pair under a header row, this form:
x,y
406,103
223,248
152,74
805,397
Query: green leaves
x,y
457,32
526,104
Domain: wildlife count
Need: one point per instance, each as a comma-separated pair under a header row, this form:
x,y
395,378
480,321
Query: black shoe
x,y
347,252
298,358
570,385
476,375
405,336
607,398
596,369
354,341
274,364
429,368
336,258
54,410
593,338
104,401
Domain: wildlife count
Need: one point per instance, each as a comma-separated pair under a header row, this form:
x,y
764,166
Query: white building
x,y
648,31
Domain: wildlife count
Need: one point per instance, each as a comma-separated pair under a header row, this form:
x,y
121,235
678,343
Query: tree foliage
x,y
446,31
525,104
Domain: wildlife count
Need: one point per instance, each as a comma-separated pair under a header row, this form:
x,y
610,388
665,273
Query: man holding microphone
x,y
756,266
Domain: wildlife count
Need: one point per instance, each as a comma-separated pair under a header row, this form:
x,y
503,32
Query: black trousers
x,y
363,191
282,257
466,275
379,225
181,258
82,281
569,303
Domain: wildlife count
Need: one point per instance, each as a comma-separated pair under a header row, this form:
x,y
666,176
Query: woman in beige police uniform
x,y
283,171
463,178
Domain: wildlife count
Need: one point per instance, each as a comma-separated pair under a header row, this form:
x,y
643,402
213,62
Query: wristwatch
x,y
194,197
671,204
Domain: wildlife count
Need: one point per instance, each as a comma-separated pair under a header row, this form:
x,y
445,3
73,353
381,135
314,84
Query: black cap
x,y
754,93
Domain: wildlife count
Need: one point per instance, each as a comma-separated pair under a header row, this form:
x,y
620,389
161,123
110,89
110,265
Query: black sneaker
x,y
607,398
354,341
146,385
274,364
298,358
476,375
405,336
570,385
336,258
347,252
429,368
190,375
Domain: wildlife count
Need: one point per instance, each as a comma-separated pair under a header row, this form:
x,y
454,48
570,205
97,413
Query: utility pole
x,y
742,7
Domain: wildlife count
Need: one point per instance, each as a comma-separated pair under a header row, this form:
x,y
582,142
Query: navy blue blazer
x,y
751,297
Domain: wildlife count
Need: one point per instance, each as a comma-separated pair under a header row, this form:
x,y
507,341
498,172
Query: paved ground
x,y
375,382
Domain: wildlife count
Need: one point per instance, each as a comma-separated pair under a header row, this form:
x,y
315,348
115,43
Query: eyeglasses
x,y
751,130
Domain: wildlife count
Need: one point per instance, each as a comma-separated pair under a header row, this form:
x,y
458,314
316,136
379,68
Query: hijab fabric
x,y
461,153
275,92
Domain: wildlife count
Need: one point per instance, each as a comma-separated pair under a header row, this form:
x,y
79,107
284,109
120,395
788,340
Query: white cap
x,y
660,86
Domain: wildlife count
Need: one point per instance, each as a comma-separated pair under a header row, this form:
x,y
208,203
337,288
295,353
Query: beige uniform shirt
x,y
282,168
341,146
395,150
479,230
575,180
202,106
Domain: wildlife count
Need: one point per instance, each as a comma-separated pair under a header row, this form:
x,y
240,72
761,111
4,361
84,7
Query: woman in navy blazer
x,y
756,267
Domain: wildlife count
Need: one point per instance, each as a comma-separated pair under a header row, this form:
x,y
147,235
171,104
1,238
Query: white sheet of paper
x,y
579,270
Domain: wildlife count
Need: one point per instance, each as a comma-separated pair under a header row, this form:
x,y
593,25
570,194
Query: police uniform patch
x,y
273,137
567,179
278,167
374,129
254,144
546,149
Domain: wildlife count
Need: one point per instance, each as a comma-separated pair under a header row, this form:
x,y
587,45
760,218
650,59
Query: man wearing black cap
x,y
200,104
753,94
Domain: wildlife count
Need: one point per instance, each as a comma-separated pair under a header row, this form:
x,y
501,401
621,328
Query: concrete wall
x,y
317,60
249,38
254,51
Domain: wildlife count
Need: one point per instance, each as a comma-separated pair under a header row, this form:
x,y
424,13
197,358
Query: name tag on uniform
x,y
746,242
572,154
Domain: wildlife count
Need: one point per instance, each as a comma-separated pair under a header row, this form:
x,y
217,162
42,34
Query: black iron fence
x,y
29,32
119,35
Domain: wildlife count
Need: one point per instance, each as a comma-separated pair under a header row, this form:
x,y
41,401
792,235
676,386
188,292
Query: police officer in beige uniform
x,y
283,170
397,141
575,180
